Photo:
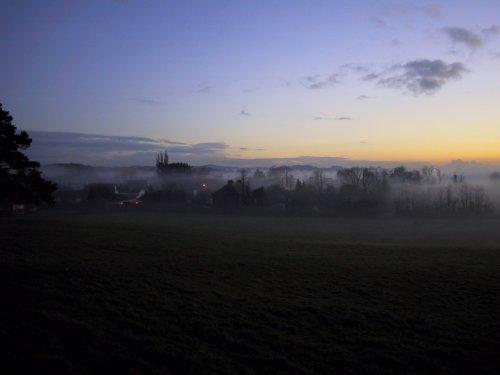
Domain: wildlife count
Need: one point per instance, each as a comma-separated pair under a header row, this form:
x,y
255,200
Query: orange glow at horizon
x,y
441,154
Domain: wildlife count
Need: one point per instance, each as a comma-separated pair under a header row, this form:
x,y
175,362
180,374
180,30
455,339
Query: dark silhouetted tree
x,y
303,197
402,175
260,197
20,179
162,163
362,191
319,181
245,186
353,177
163,167
180,168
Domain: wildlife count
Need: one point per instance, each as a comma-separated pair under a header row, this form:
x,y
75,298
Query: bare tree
x,y
319,180
351,176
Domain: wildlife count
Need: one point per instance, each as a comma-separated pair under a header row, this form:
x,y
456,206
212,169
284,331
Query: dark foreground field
x,y
217,294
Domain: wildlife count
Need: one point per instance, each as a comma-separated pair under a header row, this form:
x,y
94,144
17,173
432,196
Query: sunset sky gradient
x,y
220,81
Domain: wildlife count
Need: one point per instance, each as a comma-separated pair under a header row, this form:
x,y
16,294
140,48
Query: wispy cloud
x,y
322,118
99,141
200,148
249,90
429,10
171,142
379,23
315,82
353,68
491,31
421,76
322,81
342,118
471,39
418,76
463,36
204,89
244,112
147,101
365,97
115,150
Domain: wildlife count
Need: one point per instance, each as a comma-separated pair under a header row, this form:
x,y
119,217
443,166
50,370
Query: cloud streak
x,y
343,118
365,97
100,150
147,101
418,76
315,82
250,90
244,112
428,10
95,149
204,89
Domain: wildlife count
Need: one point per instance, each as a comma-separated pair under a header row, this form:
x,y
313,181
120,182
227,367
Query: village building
x,y
228,196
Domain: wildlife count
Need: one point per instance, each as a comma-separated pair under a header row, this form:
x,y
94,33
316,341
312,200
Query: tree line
x,y
354,191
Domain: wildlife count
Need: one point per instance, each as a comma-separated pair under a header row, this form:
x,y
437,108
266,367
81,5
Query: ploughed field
x,y
171,293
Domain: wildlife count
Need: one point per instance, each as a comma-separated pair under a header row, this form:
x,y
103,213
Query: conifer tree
x,y
20,179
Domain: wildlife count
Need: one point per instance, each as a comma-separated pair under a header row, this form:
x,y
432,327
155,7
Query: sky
x,y
229,82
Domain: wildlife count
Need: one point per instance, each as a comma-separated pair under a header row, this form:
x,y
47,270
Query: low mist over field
x,y
221,270
459,189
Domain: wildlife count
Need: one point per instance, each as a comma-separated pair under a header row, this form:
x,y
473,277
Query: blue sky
x,y
361,80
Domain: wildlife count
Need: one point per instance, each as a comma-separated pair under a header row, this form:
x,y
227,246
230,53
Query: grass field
x,y
151,293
